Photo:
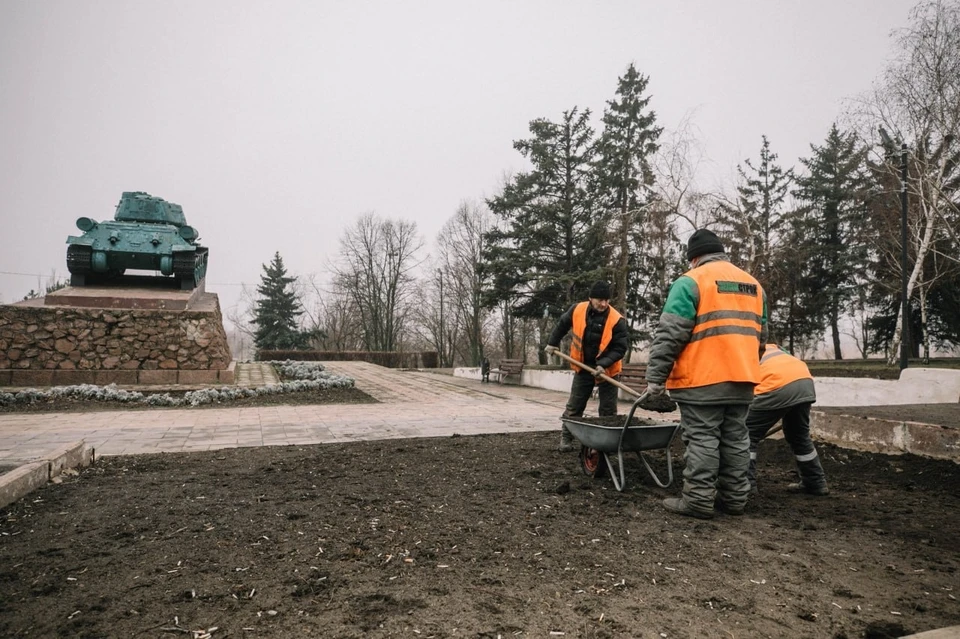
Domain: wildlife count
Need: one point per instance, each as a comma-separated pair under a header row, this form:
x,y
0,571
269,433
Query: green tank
x,y
146,234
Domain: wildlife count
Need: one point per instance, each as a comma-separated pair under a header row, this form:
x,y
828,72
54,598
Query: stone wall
x,y
91,345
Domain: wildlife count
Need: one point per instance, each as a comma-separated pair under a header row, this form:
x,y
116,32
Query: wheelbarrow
x,y
599,442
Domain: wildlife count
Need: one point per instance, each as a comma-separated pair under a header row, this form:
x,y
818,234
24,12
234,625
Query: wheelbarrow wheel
x,y
592,462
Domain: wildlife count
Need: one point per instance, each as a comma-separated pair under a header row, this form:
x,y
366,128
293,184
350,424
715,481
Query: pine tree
x,y
755,230
656,260
628,141
547,249
798,325
834,192
277,310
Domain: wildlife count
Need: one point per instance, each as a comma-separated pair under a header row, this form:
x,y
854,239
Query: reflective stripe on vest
x,y
580,325
725,343
779,368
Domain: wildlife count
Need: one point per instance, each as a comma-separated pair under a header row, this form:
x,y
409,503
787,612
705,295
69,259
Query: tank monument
x,y
148,234
136,311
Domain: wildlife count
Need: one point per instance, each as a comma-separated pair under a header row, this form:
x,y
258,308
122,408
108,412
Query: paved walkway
x,y
412,404
255,374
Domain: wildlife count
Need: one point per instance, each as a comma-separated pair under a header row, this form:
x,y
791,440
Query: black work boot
x,y
679,506
567,442
813,481
800,487
727,509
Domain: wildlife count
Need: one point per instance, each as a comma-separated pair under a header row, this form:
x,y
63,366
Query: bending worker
x,y
786,391
600,340
706,352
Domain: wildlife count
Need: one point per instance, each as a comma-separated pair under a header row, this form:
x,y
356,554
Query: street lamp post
x,y
904,302
440,273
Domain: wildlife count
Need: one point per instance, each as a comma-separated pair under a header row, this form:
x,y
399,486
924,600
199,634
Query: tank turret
x,y
146,234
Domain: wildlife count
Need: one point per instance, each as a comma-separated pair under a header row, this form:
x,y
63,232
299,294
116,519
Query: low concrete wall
x,y
886,436
20,481
558,380
30,476
915,386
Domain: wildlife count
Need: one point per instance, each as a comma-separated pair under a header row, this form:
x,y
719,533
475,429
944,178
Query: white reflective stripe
x,y
808,456
753,454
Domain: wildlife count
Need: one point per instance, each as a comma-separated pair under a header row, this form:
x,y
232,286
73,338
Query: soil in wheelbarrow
x,y
618,421
482,536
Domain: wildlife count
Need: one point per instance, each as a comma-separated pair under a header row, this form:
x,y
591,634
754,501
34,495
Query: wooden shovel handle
x,y
593,372
775,429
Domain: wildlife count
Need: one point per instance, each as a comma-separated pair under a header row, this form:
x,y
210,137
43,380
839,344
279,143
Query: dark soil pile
x,y
616,421
483,536
660,404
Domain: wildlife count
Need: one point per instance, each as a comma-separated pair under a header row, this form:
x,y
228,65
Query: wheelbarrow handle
x,y
602,376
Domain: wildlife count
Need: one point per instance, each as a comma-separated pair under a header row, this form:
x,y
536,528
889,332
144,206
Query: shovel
x,y
660,408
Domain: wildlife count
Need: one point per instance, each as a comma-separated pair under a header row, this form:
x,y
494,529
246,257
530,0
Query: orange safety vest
x,y
725,343
777,371
580,325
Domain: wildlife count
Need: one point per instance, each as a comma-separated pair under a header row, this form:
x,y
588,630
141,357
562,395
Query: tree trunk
x,y
922,250
835,332
924,334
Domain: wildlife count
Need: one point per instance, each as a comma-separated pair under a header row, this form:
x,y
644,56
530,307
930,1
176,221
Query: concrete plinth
x,y
126,297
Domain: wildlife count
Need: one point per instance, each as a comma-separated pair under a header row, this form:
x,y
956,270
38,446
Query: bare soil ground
x,y
482,536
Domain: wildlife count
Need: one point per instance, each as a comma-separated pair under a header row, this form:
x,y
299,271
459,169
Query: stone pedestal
x,y
103,335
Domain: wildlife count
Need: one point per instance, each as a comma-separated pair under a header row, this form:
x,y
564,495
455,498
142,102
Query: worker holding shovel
x,y
600,340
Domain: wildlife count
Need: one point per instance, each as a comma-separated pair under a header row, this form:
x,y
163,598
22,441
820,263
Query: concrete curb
x,y
21,481
887,436
951,632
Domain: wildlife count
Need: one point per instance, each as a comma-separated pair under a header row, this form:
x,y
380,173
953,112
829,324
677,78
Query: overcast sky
x,y
275,124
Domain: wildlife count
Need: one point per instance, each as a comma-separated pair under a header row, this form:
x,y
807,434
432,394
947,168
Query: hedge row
x,y
389,359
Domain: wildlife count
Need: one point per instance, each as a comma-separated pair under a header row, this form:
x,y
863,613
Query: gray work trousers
x,y
717,455
580,391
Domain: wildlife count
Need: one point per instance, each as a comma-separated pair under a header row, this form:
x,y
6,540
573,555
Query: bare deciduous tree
x,y
375,272
460,250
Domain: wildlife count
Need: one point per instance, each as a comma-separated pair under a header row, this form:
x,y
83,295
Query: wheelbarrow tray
x,y
606,439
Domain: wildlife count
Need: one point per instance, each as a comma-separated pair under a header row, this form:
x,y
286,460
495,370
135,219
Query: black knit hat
x,y
703,242
600,291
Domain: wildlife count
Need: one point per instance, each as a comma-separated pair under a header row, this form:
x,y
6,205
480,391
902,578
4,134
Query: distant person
x,y
600,340
706,352
786,391
485,371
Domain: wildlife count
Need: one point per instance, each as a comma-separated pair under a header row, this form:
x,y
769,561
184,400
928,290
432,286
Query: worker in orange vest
x,y
706,353
786,391
600,340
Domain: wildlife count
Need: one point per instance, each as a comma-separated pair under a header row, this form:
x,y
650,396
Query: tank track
x,y
190,268
79,259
